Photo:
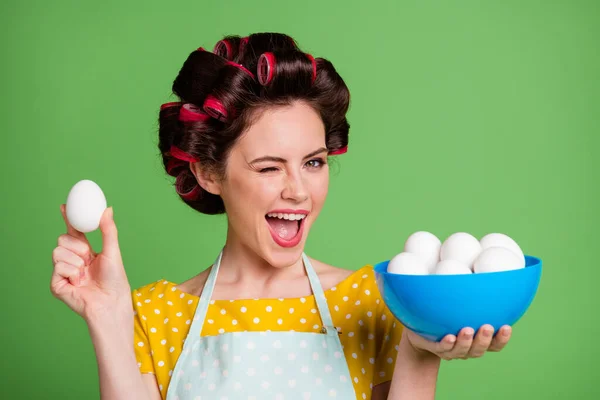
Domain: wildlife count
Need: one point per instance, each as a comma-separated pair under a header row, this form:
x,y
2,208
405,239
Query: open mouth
x,y
286,228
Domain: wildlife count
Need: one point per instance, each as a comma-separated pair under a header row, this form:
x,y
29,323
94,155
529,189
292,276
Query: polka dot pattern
x,y
361,317
260,368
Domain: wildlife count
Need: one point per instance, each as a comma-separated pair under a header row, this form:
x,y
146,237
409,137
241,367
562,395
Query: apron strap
x,y
320,298
202,307
209,285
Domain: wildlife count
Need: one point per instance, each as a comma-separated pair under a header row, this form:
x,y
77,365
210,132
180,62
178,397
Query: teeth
x,y
291,217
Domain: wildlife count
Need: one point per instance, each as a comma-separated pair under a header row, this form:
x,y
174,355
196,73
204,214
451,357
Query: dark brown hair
x,y
218,75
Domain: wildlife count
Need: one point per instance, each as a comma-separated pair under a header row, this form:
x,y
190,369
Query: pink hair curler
x,y
240,66
314,67
190,113
182,155
339,151
171,104
190,195
243,43
214,108
173,164
265,68
223,49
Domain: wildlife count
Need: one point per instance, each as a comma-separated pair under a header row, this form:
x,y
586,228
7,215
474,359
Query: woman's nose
x,y
295,189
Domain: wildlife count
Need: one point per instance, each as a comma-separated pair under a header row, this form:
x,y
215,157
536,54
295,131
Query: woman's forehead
x,y
296,127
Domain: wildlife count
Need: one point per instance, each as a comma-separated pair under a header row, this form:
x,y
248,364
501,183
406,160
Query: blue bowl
x,y
434,306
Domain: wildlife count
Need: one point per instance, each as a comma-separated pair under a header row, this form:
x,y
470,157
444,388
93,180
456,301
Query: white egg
x,y
502,240
426,245
497,259
452,267
85,205
461,247
407,264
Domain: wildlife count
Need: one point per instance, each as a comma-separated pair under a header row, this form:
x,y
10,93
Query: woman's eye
x,y
269,169
316,163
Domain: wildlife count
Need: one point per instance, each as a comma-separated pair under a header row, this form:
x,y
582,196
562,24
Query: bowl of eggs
x,y
436,289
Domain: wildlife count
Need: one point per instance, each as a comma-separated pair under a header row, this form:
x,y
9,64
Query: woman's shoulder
x,y
164,290
348,282
150,289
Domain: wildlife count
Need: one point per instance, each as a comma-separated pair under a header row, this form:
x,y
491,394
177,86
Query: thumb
x,y
110,240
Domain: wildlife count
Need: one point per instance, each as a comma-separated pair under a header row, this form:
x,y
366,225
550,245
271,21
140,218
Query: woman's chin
x,y
283,257
282,253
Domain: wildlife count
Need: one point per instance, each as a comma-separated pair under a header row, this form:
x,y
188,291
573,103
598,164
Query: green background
x,y
476,116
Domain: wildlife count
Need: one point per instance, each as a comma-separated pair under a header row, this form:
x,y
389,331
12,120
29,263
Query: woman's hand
x,y
92,284
464,346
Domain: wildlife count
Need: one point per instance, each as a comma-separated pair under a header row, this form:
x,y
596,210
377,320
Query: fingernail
x,y
451,339
506,331
469,333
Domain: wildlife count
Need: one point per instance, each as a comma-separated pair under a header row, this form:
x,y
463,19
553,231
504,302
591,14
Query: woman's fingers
x,y
501,339
64,274
446,344
74,240
469,346
78,247
482,341
110,236
62,254
462,345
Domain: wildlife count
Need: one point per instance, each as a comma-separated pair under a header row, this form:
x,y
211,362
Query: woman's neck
x,y
241,265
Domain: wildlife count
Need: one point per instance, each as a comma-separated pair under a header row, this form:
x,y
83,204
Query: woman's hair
x,y
222,92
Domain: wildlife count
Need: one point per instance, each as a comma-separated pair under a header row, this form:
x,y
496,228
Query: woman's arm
x,y
381,391
415,376
120,378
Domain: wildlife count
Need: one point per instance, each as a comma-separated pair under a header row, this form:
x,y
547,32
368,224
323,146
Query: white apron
x,y
262,365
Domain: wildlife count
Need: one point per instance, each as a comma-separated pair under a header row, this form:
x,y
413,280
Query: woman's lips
x,y
292,242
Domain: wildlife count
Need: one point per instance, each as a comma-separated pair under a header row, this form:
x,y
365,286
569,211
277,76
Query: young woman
x,y
250,137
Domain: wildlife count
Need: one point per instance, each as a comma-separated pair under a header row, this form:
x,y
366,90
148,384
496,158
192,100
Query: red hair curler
x,y
174,164
223,48
190,113
215,108
190,195
182,155
171,104
240,66
314,67
200,49
265,68
339,151
243,43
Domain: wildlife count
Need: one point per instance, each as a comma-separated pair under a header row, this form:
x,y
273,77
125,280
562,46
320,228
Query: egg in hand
x,y
85,205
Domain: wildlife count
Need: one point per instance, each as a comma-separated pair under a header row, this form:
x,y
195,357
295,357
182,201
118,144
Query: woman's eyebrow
x,y
283,160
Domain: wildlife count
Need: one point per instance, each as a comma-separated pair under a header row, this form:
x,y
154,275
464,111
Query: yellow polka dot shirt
x,y
369,332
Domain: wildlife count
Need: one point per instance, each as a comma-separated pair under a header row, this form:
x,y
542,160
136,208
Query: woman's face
x,y
276,183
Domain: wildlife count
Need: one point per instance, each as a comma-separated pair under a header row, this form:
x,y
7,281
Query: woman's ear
x,y
206,179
